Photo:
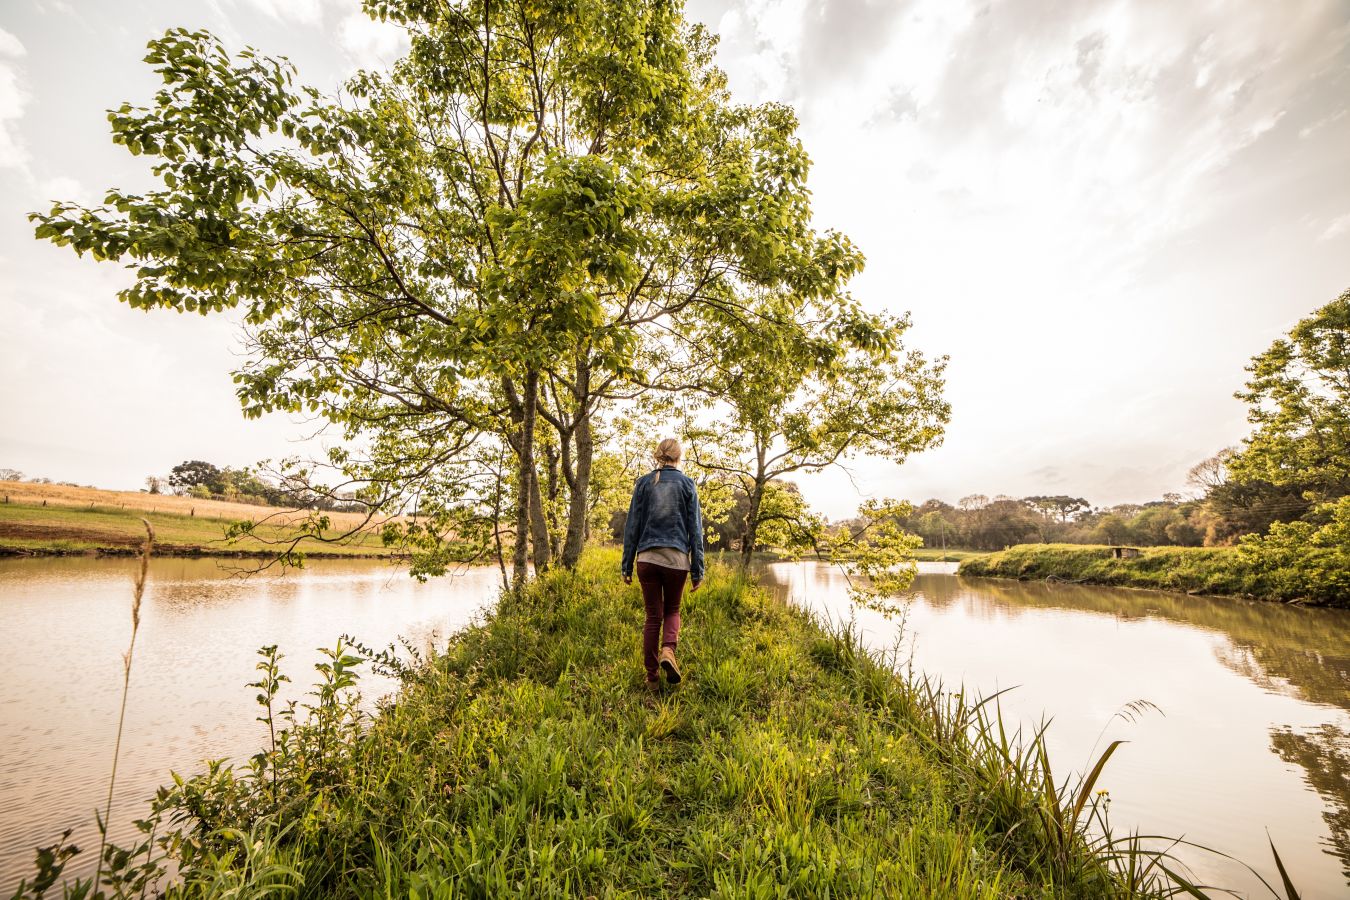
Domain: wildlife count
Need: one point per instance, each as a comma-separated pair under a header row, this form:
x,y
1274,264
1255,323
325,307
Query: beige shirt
x,y
665,556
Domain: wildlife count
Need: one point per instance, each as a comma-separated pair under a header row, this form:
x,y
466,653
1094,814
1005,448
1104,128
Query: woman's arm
x,y
636,509
694,524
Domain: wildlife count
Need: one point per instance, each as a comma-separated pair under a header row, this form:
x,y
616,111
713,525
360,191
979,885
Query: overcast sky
x,y
1099,210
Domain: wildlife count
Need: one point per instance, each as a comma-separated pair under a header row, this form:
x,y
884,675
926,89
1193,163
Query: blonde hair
x,y
668,452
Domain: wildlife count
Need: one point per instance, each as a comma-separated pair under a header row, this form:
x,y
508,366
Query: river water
x,y
1252,728
1253,731
67,623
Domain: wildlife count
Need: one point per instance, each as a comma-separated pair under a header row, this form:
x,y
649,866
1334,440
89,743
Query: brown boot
x,y
669,665
654,686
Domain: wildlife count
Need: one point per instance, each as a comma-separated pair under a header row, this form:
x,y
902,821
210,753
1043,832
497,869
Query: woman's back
x,y
664,512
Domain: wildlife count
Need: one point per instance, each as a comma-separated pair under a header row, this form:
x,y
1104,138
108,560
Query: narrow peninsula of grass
x,y
1221,571
529,760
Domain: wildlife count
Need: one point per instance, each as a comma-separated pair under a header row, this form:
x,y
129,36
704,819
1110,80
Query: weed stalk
x,y
146,549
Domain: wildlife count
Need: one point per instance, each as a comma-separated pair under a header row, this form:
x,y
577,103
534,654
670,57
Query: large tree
x,y
493,234
196,473
1298,397
806,388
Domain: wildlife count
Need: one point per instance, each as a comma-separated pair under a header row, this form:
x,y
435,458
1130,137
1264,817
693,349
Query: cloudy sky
x,y
1099,210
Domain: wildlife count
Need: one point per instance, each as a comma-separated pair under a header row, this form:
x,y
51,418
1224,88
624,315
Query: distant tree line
x,y
207,481
8,474
1282,495
978,523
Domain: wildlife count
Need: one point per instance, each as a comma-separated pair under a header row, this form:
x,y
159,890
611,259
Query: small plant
x,y
268,683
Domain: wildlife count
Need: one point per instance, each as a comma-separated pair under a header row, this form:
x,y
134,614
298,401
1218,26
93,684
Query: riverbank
x,y
922,554
937,554
529,759
1216,571
115,529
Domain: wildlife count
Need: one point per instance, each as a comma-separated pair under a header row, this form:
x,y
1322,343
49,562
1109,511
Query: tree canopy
x,y
1298,397
504,232
805,391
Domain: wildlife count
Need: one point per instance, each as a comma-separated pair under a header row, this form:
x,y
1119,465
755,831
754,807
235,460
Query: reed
x,y
138,594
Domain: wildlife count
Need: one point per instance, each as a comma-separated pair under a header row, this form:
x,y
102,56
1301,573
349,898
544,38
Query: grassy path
x,y
529,760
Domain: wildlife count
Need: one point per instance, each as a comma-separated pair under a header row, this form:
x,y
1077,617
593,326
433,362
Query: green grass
x,y
926,554
529,760
1200,570
63,529
937,554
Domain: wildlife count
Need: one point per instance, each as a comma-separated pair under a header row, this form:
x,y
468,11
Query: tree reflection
x,y
1324,755
1288,649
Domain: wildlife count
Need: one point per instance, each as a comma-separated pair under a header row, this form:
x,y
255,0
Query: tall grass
x,y
528,760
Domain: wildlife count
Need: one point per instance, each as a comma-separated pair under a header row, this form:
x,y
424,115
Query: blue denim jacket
x,y
664,512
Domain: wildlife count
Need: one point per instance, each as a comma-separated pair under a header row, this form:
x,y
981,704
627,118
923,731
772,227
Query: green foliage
x,y
503,228
1298,399
803,387
1306,558
1061,506
877,556
1006,521
1297,457
527,760
196,473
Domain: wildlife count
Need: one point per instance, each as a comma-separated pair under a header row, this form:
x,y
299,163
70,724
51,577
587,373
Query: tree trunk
x,y
752,514
497,519
523,410
554,532
580,481
751,525
538,526
580,506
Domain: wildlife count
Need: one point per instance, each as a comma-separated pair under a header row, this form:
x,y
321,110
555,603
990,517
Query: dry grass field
x,y
23,492
47,518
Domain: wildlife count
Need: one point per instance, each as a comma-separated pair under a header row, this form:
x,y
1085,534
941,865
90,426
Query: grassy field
x,y
86,520
937,554
529,760
927,554
1200,570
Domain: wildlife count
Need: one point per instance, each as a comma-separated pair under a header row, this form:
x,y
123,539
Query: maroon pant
x,y
662,589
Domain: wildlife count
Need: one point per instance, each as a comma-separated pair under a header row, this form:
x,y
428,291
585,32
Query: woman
x,y
664,536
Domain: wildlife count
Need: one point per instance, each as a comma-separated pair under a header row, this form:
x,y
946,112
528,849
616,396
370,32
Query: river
x,y
1252,727
1253,731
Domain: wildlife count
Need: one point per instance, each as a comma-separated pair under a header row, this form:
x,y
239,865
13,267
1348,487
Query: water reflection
x,y
1324,754
69,620
1255,699
1303,651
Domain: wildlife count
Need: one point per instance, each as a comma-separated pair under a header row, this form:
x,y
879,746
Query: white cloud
x,y
1308,131
369,43
65,188
296,12
1338,226
14,97
1030,177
